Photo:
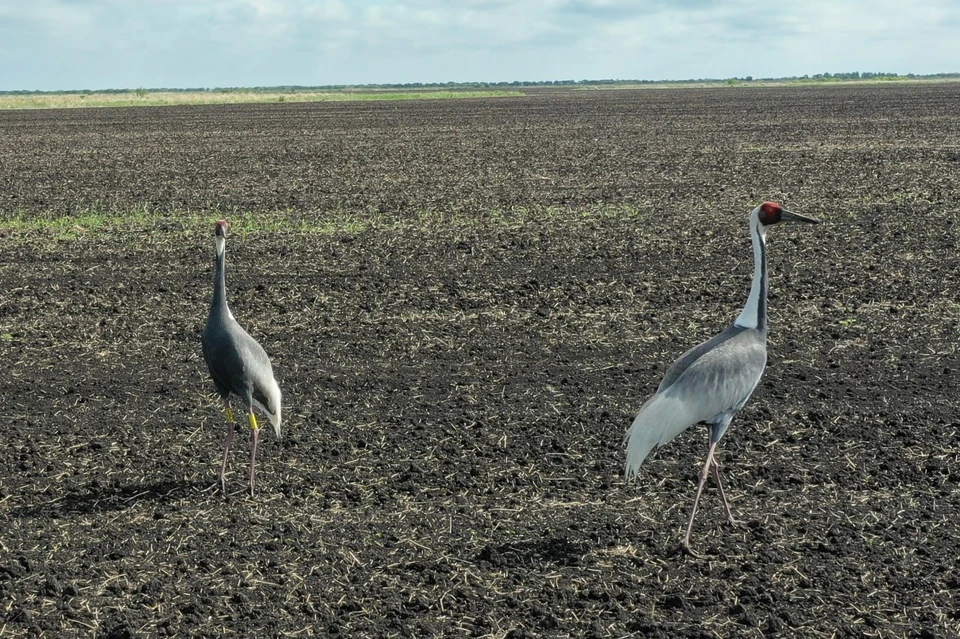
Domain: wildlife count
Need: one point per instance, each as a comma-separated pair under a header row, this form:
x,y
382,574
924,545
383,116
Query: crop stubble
x,y
465,302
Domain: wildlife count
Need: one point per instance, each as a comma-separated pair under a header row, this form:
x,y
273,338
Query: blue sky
x,y
99,44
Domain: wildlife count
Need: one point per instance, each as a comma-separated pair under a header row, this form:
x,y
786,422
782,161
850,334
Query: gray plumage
x,y
238,365
712,381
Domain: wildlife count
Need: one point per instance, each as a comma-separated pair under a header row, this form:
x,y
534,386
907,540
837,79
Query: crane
x,y
238,365
712,381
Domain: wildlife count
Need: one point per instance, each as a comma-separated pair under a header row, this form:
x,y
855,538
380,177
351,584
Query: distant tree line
x,y
407,86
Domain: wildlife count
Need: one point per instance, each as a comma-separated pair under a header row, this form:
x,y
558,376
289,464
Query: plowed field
x,y
466,302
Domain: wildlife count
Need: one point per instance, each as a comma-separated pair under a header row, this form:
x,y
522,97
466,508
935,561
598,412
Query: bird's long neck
x,y
219,302
754,314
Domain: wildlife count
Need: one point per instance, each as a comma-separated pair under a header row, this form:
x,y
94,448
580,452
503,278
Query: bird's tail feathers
x,y
276,401
275,420
659,420
273,399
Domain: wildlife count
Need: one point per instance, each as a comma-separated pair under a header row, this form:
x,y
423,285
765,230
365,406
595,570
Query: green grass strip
x,y
143,97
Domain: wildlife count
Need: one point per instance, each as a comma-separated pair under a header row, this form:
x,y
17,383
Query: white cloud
x,y
51,44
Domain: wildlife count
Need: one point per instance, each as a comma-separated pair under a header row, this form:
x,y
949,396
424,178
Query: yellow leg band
x,y
253,421
228,412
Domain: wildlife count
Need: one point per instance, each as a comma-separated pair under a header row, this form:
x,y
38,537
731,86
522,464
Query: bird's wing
x,y
264,389
240,365
683,362
711,379
722,378
660,419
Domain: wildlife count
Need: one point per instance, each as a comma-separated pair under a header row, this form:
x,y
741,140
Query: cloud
x,y
58,44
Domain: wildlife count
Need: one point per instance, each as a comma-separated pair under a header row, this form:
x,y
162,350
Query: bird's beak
x,y
787,216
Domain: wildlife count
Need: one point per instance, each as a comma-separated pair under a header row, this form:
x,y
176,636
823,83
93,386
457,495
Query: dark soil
x,y
460,364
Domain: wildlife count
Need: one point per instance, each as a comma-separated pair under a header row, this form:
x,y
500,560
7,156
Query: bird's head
x,y
770,213
220,233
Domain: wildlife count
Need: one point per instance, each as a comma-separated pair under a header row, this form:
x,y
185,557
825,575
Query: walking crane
x,y
238,365
711,382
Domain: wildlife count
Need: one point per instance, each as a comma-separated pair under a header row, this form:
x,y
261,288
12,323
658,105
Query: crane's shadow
x,y
100,499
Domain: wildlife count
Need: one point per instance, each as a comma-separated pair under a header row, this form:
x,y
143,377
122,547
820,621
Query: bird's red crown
x,y
770,213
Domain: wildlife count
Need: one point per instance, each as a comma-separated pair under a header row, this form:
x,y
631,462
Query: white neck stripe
x,y
754,313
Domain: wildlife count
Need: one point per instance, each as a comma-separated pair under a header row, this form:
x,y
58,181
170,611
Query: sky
x,y
53,45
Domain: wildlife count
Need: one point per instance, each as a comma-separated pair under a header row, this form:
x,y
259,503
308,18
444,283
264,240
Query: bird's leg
x,y
228,413
696,500
715,471
253,447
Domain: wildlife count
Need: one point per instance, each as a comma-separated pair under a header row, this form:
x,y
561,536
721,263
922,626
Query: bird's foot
x,y
222,485
687,550
733,521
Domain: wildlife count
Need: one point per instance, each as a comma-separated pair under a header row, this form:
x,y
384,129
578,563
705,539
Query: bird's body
x,y
712,381
241,368
238,365
696,389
